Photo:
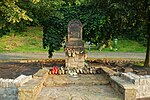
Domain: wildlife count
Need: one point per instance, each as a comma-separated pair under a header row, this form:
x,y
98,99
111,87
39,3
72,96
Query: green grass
x,y
31,41
122,46
131,46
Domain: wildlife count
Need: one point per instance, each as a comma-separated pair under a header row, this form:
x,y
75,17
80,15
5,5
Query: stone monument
x,y
74,49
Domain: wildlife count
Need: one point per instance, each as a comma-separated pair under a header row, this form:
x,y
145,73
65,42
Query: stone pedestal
x,y
75,62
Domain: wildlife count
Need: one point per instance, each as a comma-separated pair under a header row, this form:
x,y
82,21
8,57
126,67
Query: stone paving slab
x,y
76,92
57,80
85,87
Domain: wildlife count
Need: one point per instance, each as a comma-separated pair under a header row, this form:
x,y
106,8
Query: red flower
x,y
55,70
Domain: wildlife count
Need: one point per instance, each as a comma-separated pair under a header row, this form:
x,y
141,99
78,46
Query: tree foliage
x,y
40,11
102,19
53,36
126,19
92,19
11,14
129,18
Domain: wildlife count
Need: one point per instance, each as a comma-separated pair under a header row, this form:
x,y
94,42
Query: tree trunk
x,y
147,59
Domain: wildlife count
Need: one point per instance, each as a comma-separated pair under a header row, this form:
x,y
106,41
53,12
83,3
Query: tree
x,y
147,8
11,13
41,11
128,17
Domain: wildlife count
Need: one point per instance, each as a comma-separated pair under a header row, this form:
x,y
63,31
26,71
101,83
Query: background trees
x,y
129,18
11,13
111,18
103,20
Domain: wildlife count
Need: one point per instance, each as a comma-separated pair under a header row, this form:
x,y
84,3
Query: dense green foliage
x,y
93,20
53,35
12,16
131,18
103,20
113,18
127,19
108,21
93,24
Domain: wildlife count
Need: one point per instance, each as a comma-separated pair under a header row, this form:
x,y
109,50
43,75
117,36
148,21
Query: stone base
x,y
75,62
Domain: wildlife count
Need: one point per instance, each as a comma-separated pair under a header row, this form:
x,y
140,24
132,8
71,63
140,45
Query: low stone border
x,y
31,89
142,83
23,87
124,88
131,86
34,60
108,72
9,87
105,60
113,60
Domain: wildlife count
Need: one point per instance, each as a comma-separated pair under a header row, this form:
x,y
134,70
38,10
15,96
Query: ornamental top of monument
x,y
74,30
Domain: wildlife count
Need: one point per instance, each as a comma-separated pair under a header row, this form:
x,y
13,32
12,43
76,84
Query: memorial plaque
x,y
74,30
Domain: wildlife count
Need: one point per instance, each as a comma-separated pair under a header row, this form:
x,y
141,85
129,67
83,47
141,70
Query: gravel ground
x,y
9,56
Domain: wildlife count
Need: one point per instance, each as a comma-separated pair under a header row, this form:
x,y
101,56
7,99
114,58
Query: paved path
x,y
72,92
84,87
8,56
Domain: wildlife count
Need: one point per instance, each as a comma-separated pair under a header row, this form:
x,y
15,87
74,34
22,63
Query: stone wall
x,y
30,89
131,86
8,93
9,87
142,83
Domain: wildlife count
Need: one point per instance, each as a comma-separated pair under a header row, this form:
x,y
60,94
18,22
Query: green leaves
x,y
55,28
11,12
54,32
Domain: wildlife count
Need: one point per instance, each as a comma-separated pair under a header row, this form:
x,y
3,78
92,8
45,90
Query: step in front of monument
x,y
88,79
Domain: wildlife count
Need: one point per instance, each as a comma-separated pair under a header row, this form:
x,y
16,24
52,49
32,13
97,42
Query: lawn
x,y
123,45
31,41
